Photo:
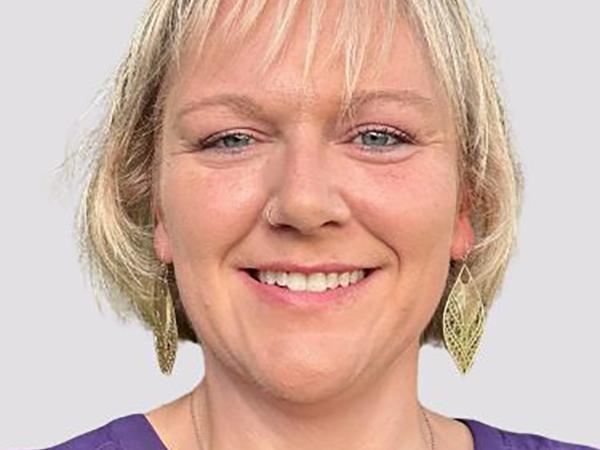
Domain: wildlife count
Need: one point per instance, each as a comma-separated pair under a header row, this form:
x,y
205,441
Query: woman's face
x,y
378,191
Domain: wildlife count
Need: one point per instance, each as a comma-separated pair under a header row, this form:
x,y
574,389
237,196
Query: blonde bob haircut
x,y
116,220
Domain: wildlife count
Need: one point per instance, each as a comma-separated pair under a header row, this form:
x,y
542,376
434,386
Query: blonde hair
x,y
116,221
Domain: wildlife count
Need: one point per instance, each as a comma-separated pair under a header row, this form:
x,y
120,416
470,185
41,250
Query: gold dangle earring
x,y
165,324
463,320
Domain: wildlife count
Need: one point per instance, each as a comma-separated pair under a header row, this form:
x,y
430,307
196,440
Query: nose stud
x,y
267,214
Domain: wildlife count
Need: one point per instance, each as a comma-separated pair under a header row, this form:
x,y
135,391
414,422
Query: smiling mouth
x,y
316,282
254,272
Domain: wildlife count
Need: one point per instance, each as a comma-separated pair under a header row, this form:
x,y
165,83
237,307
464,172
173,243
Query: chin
x,y
300,374
306,388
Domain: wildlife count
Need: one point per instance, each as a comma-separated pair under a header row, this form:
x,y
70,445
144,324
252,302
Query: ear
x,y
162,245
464,237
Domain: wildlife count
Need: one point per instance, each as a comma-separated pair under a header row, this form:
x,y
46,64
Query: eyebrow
x,y
241,104
246,106
403,97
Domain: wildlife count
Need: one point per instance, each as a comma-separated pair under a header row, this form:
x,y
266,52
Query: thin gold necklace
x,y
200,445
199,442
432,442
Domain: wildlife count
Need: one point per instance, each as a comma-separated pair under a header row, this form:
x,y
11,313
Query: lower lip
x,y
338,297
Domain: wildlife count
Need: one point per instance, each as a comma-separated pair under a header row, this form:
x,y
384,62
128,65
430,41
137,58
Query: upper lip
x,y
283,266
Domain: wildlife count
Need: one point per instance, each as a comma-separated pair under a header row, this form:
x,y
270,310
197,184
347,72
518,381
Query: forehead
x,y
320,53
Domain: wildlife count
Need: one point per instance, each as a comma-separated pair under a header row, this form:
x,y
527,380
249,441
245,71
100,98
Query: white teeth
x,y
267,277
271,277
315,282
296,282
282,279
332,280
344,279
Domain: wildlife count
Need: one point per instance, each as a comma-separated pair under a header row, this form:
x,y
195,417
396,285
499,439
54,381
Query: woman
x,y
312,191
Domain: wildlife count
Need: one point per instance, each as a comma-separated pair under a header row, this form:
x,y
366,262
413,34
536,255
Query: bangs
x,y
363,31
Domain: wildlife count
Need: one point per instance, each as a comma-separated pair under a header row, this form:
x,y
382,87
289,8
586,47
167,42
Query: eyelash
x,y
402,137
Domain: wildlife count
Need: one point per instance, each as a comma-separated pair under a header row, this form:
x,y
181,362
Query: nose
x,y
307,190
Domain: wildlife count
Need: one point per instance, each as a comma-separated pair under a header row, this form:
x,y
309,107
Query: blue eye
x,y
373,138
229,142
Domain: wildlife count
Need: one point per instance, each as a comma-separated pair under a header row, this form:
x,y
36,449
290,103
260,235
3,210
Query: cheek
x,y
413,204
412,209
206,210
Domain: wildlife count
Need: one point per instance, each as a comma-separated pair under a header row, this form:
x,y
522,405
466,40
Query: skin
x,y
279,378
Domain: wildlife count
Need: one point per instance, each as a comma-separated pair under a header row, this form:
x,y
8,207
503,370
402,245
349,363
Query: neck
x,y
376,412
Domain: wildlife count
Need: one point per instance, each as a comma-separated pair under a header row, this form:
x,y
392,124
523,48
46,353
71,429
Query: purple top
x,y
134,432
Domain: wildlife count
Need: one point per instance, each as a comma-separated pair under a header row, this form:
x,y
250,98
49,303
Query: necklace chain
x,y
432,442
200,444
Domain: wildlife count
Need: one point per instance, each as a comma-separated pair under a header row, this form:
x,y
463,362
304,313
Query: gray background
x,y
66,368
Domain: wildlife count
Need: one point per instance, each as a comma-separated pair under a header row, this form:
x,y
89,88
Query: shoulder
x,y
132,432
488,437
